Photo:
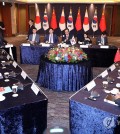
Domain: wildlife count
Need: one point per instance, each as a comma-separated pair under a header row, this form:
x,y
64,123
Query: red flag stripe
x,y
37,20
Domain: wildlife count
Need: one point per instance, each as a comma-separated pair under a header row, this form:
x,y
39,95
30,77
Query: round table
x,y
63,76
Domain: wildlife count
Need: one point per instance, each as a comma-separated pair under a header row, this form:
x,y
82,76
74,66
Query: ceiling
x,y
62,1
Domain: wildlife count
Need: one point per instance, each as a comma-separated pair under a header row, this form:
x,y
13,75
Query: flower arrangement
x,y
69,55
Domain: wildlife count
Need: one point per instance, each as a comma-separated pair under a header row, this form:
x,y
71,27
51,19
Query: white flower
x,y
57,58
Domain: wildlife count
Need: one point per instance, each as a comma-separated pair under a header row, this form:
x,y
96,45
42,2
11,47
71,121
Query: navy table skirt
x,y
63,77
31,54
95,117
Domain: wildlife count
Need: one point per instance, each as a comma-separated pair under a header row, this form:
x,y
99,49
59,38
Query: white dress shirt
x,y
51,38
33,38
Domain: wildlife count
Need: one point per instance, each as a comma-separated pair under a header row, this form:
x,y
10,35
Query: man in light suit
x,y
34,38
67,37
51,37
102,40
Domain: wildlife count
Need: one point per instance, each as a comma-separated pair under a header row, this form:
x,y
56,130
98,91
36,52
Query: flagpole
x,y
93,34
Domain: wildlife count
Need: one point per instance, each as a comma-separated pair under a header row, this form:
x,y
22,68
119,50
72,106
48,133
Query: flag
x,y
73,41
45,21
62,24
117,56
86,25
102,22
53,23
95,22
70,25
37,19
78,24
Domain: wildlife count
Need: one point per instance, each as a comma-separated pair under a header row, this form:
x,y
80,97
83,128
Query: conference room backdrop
x,y
16,16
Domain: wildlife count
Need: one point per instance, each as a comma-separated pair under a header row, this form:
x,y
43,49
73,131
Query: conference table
x,y
31,54
10,50
91,110
63,76
100,56
26,111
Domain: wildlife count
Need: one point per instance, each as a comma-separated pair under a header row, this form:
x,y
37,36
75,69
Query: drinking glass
x,y
105,84
14,90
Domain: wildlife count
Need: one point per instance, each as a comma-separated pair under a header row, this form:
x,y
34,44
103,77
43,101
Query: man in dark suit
x,y
34,38
66,38
31,27
51,37
2,29
102,40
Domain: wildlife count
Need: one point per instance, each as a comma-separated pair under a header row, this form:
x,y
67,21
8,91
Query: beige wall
x,y
13,19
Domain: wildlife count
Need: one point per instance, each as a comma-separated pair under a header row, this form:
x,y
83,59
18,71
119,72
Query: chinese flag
x,y
53,23
102,22
117,56
78,24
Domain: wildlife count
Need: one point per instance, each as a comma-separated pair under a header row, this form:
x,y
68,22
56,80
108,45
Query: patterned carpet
x,y
58,102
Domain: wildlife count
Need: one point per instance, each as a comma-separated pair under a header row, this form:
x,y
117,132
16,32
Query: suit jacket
x,y
37,38
117,101
100,41
55,38
30,31
69,38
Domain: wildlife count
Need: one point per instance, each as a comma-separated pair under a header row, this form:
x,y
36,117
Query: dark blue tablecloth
x,y
63,77
25,114
31,54
94,117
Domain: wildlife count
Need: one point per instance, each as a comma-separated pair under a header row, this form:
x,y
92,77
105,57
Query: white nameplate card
x,y
112,67
105,73
26,44
8,57
91,85
35,89
104,46
8,45
83,46
45,44
24,75
15,64
1,77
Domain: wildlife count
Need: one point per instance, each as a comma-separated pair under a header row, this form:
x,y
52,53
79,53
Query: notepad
x,y
4,90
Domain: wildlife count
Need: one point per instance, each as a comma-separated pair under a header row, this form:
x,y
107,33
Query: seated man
x,y
34,38
67,37
87,39
102,40
51,37
80,37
